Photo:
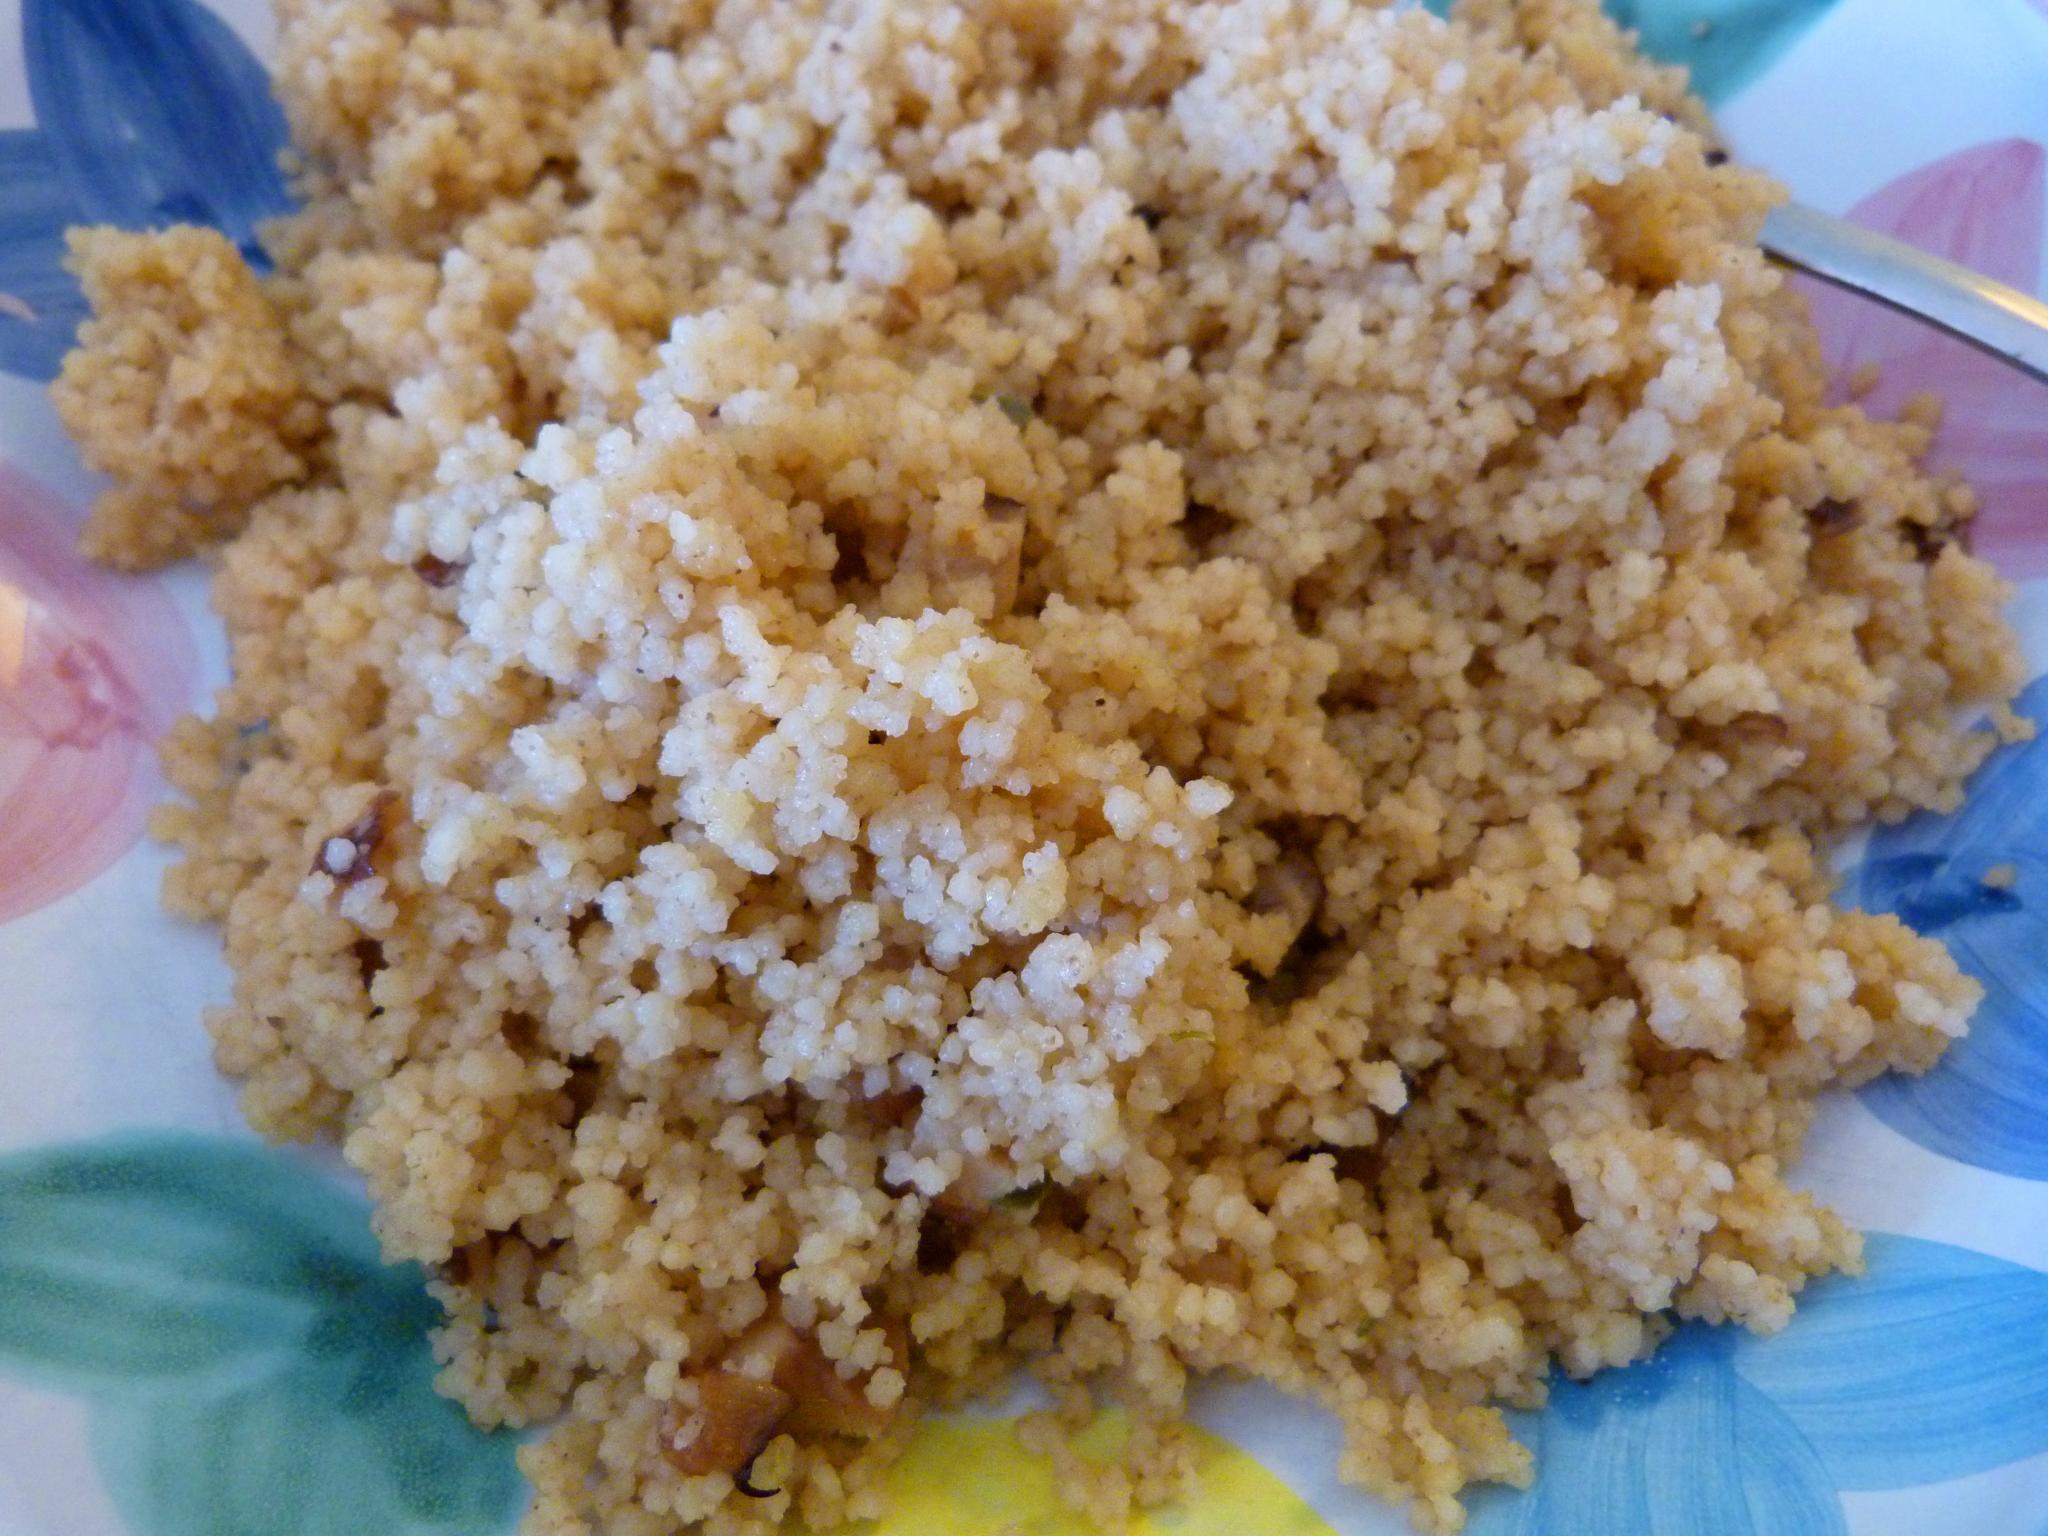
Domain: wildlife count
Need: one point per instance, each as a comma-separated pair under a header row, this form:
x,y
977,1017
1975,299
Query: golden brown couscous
x,y
1130,685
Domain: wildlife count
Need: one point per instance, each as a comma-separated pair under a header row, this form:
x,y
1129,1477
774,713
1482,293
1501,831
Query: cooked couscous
x,y
1127,686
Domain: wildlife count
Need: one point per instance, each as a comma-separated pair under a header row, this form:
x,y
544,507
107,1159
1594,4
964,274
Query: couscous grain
x,y
1139,687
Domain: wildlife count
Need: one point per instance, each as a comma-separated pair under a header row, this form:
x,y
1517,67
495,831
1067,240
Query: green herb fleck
x,y
1023,1197
251,742
1019,411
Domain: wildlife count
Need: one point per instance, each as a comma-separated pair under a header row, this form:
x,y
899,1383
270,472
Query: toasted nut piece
x,y
822,1402
735,1417
350,855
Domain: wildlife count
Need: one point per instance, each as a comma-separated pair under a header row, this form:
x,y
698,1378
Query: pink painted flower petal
x,y
93,668
1982,207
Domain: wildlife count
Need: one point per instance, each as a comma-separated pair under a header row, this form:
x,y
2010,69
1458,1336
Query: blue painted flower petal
x,y
1670,1447
1983,1105
1932,1366
1492,1510
1692,1474
1986,1102
1594,1480
1784,1481
2004,808
35,210
156,113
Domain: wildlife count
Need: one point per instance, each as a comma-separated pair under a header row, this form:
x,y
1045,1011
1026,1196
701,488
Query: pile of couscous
x,y
1130,686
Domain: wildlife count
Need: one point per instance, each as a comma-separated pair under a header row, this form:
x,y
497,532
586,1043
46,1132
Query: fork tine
x,y
2008,324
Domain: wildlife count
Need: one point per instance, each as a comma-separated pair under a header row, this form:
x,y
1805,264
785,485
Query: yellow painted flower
x,y
971,1477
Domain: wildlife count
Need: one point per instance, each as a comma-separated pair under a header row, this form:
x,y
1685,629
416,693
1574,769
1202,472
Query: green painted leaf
x,y
254,1369
1724,43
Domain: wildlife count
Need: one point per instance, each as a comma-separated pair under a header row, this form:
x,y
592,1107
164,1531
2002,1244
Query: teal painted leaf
x,y
253,1368
227,1467
1725,44
130,1266
291,1461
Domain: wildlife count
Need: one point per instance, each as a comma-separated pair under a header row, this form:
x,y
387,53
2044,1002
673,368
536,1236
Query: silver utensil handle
x,y
2008,324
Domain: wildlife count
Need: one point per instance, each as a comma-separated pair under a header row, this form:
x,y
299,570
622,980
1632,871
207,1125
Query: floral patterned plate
x,y
196,1338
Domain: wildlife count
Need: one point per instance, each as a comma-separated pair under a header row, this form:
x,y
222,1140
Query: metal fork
x,y
2010,325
